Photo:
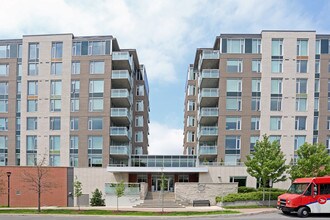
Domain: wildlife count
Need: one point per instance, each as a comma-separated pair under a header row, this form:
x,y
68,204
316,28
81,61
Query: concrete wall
x,y
125,201
143,190
188,192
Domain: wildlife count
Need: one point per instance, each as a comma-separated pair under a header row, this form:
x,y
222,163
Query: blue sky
x,y
166,34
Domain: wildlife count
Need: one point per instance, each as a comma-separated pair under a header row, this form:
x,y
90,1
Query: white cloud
x,y
165,140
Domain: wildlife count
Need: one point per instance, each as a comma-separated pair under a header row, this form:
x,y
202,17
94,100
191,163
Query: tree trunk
x,y
39,197
78,203
117,203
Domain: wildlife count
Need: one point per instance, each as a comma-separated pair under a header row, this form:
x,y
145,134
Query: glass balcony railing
x,y
120,112
210,92
119,93
210,73
119,131
210,54
209,130
204,150
120,55
120,74
213,112
122,150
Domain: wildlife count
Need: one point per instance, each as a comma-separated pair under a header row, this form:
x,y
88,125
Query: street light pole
x,y
8,194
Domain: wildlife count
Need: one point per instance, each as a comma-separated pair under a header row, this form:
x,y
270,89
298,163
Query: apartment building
x,y
76,101
275,83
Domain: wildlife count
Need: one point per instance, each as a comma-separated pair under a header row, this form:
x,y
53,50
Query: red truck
x,y
305,196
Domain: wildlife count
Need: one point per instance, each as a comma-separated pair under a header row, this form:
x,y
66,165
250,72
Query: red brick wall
x,y
22,196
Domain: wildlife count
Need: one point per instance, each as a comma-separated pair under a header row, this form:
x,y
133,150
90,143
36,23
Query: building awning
x,y
127,169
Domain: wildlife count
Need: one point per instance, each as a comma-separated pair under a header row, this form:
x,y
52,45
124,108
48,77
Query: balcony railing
x,y
210,73
210,54
210,92
209,130
119,131
220,164
124,55
213,112
119,93
206,150
120,112
120,74
119,150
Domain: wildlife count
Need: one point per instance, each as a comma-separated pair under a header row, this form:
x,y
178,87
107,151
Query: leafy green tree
x,y
267,162
96,199
313,160
77,190
120,191
163,185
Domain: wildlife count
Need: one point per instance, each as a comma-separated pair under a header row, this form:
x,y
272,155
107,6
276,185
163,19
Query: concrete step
x,y
154,200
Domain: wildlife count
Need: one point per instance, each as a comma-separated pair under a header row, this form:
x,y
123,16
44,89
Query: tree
x,y
120,191
39,179
313,160
77,190
267,162
163,184
96,199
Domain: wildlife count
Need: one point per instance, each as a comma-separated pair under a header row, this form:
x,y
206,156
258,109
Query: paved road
x,y
265,216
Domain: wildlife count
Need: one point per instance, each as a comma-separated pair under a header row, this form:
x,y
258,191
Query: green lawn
x,y
108,212
249,207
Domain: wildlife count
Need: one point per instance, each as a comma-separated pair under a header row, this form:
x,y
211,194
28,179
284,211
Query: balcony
x,y
121,79
122,61
209,115
120,116
208,133
119,151
208,151
209,97
209,78
209,59
120,133
121,97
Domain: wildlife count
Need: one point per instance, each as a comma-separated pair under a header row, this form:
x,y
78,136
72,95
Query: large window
x,y
232,149
140,90
139,121
31,123
275,123
300,123
75,68
255,104
277,66
54,143
33,88
4,69
234,66
4,51
302,47
33,51
56,68
76,48
57,50
301,104
3,124
234,103
276,86
234,85
3,98
255,123
74,123
96,86
299,140
55,123
256,45
301,66
96,67
95,142
276,104
235,46
75,104
139,136
95,123
277,47
96,47
33,69
233,123
253,141
96,89
191,105
256,66
256,85
190,136
140,106
301,86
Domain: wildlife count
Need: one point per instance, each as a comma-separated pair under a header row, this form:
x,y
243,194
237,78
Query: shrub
x,y
96,199
244,189
251,196
271,190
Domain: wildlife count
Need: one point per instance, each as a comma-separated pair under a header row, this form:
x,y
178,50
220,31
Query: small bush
x,y
244,189
251,196
96,199
271,190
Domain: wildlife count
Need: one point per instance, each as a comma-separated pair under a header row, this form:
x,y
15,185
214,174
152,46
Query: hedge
x,y
254,196
244,189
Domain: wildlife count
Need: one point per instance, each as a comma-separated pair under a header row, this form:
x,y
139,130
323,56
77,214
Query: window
x,y
328,123
233,103
317,85
277,66
75,105
299,140
96,89
315,139
96,67
33,51
191,74
301,104
241,180
256,85
57,50
190,136
139,105
256,66
3,124
234,66
276,86
94,161
277,47
18,106
275,123
139,121
316,123
75,68
54,143
3,99
325,189
75,87
273,138
3,105
191,90
56,68
95,104
301,86
140,90
4,51
183,178
302,47
138,150
139,136
74,143
95,142
256,45
33,69
96,86
191,105
31,123
95,123
328,103
253,141
235,46
232,150
327,143
317,66
255,123
4,69
317,47
316,104
234,85
191,121
300,123
18,124
233,142
96,48
233,123
255,104
76,48
55,123
33,88
55,88
74,123
19,69
301,66
31,142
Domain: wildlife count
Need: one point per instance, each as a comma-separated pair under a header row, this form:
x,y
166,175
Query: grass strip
x,y
111,212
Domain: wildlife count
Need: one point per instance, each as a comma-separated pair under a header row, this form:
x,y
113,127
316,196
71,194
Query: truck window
x,y
325,189
298,188
308,191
